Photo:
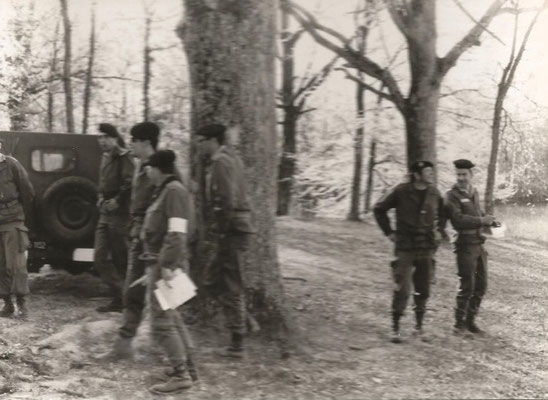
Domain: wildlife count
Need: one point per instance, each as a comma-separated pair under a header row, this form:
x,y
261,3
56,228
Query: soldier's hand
x,y
110,204
392,237
167,275
487,220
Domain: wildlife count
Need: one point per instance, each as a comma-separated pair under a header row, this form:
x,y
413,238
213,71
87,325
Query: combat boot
x,y
22,310
471,325
419,332
395,337
8,308
177,382
236,348
459,328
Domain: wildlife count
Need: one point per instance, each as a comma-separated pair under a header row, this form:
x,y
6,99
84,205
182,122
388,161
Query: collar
x,y
217,154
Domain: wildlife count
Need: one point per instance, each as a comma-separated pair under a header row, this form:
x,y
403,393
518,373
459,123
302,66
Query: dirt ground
x,y
338,286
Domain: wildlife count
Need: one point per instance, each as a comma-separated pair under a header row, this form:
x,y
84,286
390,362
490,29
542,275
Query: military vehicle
x,y
64,170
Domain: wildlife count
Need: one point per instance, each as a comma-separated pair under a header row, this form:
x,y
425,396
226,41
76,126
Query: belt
x,y
468,232
9,204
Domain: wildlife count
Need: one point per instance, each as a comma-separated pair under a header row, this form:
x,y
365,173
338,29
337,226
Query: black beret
x,y
161,159
211,131
418,166
108,130
145,131
463,164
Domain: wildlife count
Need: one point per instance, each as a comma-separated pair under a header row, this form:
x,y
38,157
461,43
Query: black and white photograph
x,y
273,199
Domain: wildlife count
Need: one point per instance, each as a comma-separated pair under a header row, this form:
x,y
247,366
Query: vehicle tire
x,y
68,211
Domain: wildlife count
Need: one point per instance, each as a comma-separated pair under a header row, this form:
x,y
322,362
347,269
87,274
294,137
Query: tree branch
x,y
314,81
470,39
464,10
343,50
366,86
398,16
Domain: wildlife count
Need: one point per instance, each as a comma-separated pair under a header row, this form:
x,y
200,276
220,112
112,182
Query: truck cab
x,y
64,171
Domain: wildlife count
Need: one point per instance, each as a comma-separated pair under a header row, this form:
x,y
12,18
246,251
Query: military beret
x,y
145,131
211,131
108,130
463,164
418,166
162,159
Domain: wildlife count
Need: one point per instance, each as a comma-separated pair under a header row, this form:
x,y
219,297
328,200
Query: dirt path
x,y
339,287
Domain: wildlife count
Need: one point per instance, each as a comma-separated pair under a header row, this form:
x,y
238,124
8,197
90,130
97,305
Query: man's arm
x,y
459,220
380,211
127,169
223,196
26,192
174,244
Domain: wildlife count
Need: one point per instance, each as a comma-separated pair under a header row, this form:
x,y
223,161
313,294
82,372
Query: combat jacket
x,y
420,224
227,193
167,222
115,176
16,194
464,211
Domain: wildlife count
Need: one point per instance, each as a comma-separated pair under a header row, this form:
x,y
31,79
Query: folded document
x,y
180,290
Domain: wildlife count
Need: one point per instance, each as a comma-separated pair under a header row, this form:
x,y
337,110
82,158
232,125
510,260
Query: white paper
x,y
498,232
182,289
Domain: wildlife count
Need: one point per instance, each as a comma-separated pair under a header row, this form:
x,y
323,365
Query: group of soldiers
x,y
146,219
421,215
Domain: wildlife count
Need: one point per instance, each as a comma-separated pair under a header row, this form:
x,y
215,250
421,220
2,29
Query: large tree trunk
x,y
422,101
230,45
69,106
89,74
354,214
492,168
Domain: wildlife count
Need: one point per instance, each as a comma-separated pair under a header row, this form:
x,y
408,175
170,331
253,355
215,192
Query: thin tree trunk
x,y
52,72
354,214
146,79
370,171
288,158
69,106
89,74
232,82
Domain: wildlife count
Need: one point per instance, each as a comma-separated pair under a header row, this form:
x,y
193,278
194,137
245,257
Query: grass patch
x,y
525,222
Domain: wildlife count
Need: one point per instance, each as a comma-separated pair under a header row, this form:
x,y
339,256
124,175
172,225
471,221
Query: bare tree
x,y
50,86
508,74
89,73
416,20
69,105
293,96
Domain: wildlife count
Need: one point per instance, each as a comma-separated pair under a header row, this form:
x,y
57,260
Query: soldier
x,y
115,175
419,230
228,201
16,200
144,140
463,209
164,235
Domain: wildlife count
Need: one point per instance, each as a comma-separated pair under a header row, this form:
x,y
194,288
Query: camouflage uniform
x,y
172,203
465,213
419,229
227,198
16,198
116,172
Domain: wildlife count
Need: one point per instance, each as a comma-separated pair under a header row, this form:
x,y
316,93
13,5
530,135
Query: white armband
x,y
177,225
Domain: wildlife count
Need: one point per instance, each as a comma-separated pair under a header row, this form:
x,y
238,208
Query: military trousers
x,y
472,272
411,267
223,279
14,243
111,236
134,297
167,325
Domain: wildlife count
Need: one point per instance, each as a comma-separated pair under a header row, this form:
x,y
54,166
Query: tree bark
x,y
370,171
69,106
147,59
354,214
232,82
89,75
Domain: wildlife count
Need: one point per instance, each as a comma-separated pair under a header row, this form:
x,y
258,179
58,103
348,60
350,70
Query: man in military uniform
x,y
164,235
115,176
16,213
144,140
463,208
228,201
419,229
